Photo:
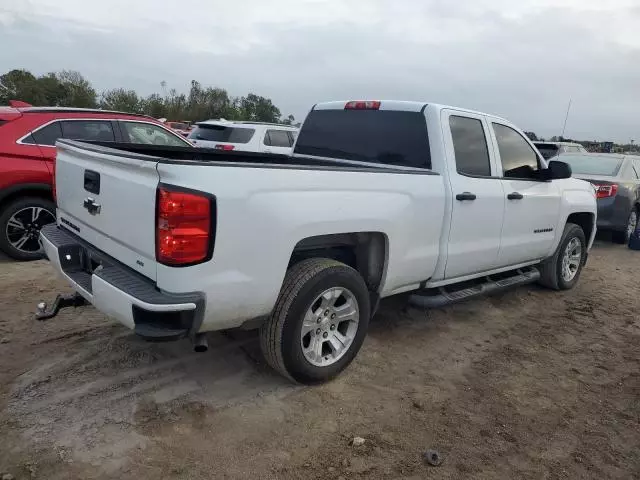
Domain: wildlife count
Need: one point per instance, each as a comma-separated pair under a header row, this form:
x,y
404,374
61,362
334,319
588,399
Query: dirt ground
x,y
527,384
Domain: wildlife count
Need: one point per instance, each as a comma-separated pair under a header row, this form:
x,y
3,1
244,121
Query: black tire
x,y
15,207
622,237
551,269
280,335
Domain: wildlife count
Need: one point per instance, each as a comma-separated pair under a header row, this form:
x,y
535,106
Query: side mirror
x,y
558,170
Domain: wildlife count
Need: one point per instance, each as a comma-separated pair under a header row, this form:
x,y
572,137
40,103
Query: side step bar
x,y
439,297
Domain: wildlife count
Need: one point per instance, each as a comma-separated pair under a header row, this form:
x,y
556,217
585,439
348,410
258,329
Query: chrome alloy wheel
x,y
571,259
329,326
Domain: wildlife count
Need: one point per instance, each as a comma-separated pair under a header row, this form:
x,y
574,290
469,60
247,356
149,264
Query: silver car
x,y
617,182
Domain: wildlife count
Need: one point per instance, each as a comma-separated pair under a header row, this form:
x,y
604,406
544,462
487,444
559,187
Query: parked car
x,y
552,149
244,136
379,198
183,128
27,152
617,181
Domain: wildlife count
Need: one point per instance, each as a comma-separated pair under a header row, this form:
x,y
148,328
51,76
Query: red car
x,y
27,153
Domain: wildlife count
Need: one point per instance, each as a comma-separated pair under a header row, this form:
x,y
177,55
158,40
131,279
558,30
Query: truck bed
x,y
171,154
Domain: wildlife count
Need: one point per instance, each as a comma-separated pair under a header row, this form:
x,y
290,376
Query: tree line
x,y
70,89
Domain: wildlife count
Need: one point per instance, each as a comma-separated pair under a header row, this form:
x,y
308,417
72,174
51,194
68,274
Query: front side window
x,y
518,158
470,146
149,134
277,138
97,131
48,135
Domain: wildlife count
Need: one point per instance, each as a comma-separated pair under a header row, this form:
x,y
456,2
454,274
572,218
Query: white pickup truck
x,y
378,198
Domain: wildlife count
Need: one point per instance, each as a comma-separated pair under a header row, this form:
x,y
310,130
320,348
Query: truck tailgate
x,y
108,198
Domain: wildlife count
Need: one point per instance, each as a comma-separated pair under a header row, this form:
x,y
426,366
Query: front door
x,y
532,204
478,197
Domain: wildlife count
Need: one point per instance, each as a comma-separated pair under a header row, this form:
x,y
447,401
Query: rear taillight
x,y
604,191
226,148
183,226
363,105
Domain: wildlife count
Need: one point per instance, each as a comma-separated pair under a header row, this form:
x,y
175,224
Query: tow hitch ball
x,y
61,301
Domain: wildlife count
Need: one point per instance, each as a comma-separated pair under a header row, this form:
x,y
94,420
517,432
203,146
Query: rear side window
x,y
470,146
48,135
222,133
376,136
518,158
278,138
96,131
29,139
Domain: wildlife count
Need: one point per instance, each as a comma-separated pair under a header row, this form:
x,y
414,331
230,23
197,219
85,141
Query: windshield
x,y
377,136
547,150
221,133
597,165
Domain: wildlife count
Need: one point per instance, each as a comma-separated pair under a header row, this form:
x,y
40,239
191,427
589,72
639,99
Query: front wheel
x,y
319,322
20,224
562,270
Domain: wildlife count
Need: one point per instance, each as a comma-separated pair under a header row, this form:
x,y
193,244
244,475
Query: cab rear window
x,y
374,136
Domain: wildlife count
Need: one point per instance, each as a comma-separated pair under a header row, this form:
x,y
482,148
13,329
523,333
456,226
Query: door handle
x,y
515,196
466,196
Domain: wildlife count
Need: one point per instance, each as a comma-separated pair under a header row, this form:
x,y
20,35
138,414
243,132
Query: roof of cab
x,y
401,105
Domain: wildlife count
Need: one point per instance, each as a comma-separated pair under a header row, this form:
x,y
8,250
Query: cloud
x,y
522,60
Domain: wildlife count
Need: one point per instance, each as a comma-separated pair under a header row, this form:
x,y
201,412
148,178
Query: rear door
x,y
277,141
108,198
532,204
478,198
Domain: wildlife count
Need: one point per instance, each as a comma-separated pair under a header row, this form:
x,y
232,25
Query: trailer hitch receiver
x,y
43,312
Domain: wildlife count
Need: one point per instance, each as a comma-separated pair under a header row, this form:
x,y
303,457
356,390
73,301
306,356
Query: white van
x,y
244,136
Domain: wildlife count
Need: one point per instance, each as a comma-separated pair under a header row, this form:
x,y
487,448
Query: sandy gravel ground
x,y
527,384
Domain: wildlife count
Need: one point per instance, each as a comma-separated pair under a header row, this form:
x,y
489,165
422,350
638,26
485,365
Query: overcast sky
x,y
519,59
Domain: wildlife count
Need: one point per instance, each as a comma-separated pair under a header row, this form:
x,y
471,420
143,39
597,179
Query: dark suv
x,y
27,155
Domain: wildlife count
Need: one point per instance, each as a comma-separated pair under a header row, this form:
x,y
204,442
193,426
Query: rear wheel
x,y
319,322
20,224
623,236
562,270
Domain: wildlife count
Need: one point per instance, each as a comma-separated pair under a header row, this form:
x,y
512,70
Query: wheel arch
x,y
366,252
586,221
9,194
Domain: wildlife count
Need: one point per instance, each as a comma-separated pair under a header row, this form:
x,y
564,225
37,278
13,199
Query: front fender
x,y
578,197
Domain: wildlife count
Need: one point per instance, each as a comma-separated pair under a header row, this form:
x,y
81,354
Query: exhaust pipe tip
x,y
200,343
